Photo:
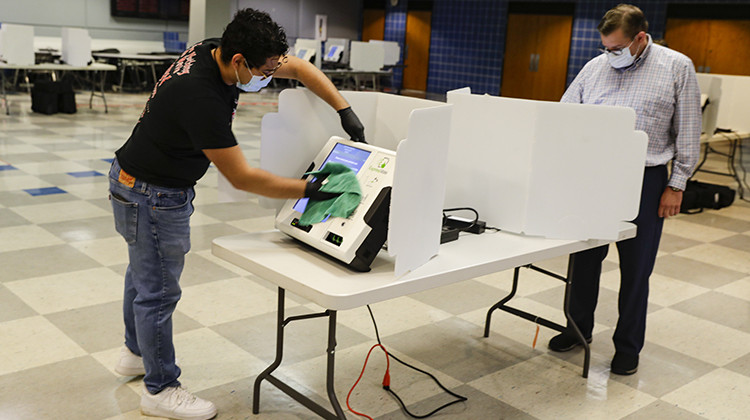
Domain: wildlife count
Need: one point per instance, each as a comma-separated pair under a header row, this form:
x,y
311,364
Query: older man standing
x,y
661,86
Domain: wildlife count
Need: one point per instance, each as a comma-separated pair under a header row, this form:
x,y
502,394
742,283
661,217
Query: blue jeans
x,y
155,223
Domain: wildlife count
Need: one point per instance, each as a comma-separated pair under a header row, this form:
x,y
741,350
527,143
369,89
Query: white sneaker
x,y
176,403
129,364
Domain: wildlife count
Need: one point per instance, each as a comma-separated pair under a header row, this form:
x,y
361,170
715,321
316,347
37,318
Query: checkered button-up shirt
x,y
662,89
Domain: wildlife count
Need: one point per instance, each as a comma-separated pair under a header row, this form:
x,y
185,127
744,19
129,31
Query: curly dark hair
x,y
255,35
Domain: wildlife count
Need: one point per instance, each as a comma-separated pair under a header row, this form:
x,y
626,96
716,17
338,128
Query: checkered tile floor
x,y
61,269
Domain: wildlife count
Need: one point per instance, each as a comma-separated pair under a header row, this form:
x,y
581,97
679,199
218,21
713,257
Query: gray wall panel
x,y
283,12
343,18
48,16
296,16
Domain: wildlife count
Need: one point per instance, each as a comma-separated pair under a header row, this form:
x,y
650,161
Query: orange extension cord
x,y
386,378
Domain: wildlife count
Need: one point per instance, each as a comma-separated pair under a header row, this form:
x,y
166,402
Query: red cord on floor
x,y
386,378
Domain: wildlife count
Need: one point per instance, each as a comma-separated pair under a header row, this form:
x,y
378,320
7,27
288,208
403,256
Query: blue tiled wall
x,y
467,45
395,30
468,38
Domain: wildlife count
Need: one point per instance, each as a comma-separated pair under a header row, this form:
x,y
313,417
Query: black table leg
x,y
281,322
279,352
502,302
330,365
542,321
569,317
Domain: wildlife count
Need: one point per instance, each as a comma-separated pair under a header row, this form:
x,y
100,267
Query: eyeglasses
x,y
616,52
269,73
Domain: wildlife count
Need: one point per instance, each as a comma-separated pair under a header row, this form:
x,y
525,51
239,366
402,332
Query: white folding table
x,y
357,77
135,60
54,67
300,269
735,140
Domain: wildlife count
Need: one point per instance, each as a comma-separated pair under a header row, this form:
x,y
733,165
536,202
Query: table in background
x,y
735,141
344,79
292,266
96,69
134,61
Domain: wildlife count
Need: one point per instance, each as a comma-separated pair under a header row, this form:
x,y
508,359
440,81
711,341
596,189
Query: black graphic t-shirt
x,y
190,109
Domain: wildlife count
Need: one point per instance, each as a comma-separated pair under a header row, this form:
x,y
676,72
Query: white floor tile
x,y
59,212
739,289
90,191
392,316
24,237
666,291
721,256
61,292
697,232
21,182
226,300
698,338
108,251
549,388
721,394
32,342
208,360
8,150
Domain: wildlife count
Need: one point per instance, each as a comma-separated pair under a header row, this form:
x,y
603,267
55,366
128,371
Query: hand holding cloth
x,y
343,194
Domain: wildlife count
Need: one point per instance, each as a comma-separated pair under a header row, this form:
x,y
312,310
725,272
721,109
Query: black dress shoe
x,y
564,342
624,363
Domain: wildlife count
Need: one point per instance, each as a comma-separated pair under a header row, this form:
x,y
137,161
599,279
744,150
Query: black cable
x,y
464,229
459,398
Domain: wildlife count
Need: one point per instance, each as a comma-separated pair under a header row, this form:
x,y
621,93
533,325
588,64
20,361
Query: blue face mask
x,y
255,84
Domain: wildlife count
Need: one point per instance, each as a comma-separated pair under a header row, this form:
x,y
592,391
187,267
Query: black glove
x,y
352,125
312,190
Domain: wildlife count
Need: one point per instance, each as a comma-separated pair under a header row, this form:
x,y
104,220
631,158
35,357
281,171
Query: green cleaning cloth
x,y
340,179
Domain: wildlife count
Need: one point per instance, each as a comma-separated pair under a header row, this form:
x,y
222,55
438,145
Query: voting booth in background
x,y
392,51
567,171
734,103
366,56
76,47
17,44
336,50
416,129
309,50
710,87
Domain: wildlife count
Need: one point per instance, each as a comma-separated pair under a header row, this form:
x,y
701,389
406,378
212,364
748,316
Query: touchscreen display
x,y
352,157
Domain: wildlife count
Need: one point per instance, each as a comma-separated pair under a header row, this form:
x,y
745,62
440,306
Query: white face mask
x,y
624,59
255,84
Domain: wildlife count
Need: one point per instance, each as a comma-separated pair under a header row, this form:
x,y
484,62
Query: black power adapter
x,y
448,234
464,225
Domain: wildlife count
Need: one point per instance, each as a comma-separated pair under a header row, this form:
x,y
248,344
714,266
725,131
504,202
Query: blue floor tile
x,y
85,174
45,191
7,168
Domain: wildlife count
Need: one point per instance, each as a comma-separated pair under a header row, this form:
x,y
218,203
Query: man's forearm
x,y
321,86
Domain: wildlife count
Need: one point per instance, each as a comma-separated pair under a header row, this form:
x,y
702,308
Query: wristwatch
x,y
675,189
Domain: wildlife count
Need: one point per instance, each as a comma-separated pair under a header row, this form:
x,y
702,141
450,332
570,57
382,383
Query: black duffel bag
x,y
52,97
66,98
44,97
702,195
